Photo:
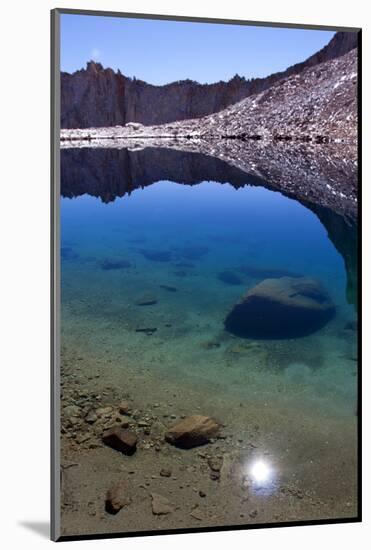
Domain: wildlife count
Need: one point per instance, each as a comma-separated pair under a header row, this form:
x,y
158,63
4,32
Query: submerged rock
x,y
160,505
289,307
157,255
229,278
121,440
192,431
111,263
117,497
184,264
193,252
146,330
169,288
210,344
146,300
67,253
180,273
351,325
298,373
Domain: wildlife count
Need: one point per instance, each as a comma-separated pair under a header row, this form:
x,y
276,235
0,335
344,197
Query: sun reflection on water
x,y
260,476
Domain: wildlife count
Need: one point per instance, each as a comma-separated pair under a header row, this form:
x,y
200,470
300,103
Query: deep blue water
x,y
251,225
184,236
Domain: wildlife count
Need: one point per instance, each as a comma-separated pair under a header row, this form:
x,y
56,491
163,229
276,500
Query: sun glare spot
x,y
261,472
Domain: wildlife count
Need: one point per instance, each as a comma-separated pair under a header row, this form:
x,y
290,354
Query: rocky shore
x,y
161,481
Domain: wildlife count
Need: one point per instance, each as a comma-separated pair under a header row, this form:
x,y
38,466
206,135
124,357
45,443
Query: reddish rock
x,y
124,407
192,431
121,440
117,497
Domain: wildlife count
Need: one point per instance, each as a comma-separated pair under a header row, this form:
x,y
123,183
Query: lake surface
x,y
149,271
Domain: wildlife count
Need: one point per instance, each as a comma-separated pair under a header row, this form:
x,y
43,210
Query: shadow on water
x,y
343,235
112,173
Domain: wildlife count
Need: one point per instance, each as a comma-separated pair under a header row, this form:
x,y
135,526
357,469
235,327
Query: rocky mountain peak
x,y
99,97
94,67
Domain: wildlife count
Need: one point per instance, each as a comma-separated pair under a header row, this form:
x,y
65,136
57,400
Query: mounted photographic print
x,y
205,187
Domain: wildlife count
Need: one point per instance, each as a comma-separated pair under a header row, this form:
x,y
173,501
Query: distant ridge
x,y
99,97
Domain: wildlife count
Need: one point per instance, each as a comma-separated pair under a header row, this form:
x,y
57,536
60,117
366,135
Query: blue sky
x,y
165,51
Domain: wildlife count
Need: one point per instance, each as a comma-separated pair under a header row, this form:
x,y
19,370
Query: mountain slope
x,y
319,104
98,97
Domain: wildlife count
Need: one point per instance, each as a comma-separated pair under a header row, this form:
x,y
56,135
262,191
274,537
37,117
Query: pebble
x,y
197,514
82,438
91,417
160,505
124,407
215,463
72,411
104,411
165,472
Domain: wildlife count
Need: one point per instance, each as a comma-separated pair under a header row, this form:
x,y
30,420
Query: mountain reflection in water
x,y
109,173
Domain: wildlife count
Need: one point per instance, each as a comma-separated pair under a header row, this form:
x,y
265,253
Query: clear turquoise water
x,y
247,226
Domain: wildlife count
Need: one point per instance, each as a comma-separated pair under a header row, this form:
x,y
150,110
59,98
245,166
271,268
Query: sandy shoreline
x,y
314,458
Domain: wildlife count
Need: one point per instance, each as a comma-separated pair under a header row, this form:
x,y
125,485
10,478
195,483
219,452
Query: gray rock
x,y
160,505
215,463
72,411
91,417
104,411
197,514
82,438
165,472
289,307
134,125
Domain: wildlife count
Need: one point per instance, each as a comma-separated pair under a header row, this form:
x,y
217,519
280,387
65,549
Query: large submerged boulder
x,y
289,307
